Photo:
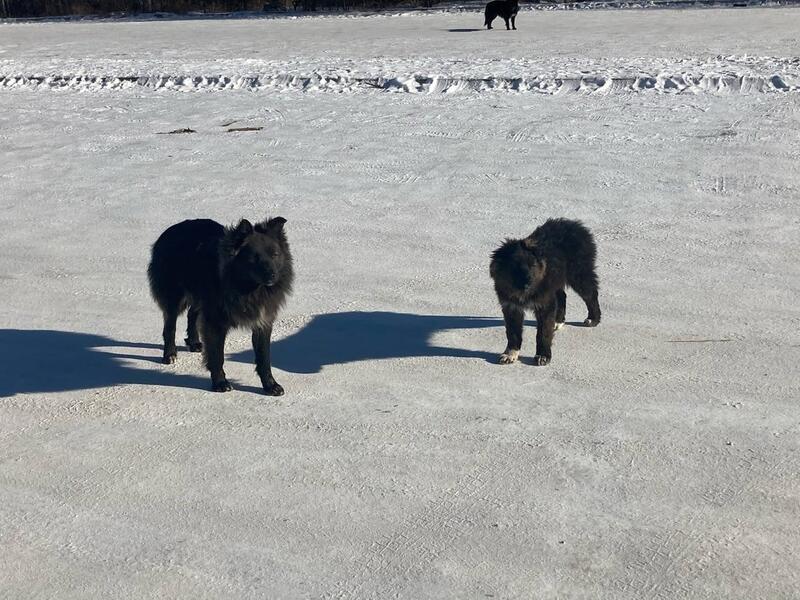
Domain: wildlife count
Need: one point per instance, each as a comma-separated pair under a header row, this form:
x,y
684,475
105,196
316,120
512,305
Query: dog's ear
x,y
274,225
243,229
239,234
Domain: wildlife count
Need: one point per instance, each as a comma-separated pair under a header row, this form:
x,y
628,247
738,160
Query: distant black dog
x,y
507,9
229,277
531,273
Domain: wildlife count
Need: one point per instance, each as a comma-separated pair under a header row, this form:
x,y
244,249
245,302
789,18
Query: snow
x,y
655,457
722,51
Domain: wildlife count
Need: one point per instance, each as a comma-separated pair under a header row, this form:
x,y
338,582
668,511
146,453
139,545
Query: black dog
x,y
507,9
234,277
531,273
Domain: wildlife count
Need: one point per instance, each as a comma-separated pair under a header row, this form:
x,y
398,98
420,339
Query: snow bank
x,y
421,84
564,52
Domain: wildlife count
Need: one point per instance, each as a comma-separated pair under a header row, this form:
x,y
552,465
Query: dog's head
x,y
516,268
255,256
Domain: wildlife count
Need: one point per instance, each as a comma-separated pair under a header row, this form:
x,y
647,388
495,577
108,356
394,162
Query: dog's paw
x,y
221,386
509,356
170,359
559,325
194,346
273,389
540,360
591,322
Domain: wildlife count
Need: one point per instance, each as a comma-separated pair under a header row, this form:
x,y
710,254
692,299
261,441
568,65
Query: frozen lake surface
x,y
656,457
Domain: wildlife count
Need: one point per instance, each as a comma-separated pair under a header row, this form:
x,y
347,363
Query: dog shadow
x,y
468,30
347,337
42,361
47,361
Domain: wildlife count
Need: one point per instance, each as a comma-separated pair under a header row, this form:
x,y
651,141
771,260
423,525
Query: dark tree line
x,y
50,8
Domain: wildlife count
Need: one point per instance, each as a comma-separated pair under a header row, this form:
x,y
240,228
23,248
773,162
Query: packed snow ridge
x,y
421,84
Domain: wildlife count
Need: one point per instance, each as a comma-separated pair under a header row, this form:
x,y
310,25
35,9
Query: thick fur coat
x,y
227,277
531,273
506,9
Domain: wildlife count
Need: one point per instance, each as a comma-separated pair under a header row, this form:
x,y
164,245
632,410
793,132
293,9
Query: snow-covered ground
x,y
723,50
656,457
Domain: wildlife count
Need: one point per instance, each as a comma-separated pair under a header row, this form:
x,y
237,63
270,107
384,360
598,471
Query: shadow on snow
x,y
346,337
41,361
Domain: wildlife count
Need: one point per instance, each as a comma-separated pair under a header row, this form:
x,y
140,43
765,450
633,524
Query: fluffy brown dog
x,y
531,273
228,277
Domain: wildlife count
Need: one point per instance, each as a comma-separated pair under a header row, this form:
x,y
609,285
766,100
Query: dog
x,y
507,9
531,273
238,276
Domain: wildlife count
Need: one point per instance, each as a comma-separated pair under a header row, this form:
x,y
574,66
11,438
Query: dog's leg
x,y
507,27
513,316
584,282
261,343
192,338
170,320
214,346
593,305
561,309
590,297
514,22
545,328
